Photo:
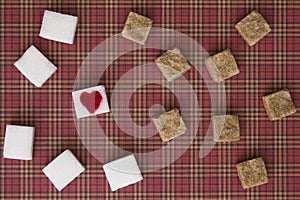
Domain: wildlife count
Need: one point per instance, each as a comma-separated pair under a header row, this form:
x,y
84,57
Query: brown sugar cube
x,y
226,128
222,66
279,104
252,173
253,28
169,125
172,64
137,28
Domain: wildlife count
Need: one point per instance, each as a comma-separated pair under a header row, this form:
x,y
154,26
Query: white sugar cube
x,y
91,101
63,169
58,27
18,142
35,66
122,172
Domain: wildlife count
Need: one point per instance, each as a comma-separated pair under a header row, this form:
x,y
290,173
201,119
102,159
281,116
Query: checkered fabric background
x,y
271,65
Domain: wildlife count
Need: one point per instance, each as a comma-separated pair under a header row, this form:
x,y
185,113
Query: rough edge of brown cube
x,y
213,70
128,33
236,69
172,73
242,178
269,111
157,122
217,135
246,39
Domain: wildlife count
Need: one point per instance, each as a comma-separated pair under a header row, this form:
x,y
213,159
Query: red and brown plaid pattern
x,y
270,65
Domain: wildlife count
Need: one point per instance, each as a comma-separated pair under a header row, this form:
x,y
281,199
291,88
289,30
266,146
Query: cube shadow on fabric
x,y
18,142
58,27
63,169
35,66
89,105
122,172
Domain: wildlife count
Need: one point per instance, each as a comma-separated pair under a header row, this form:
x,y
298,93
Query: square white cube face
x,y
58,27
35,66
18,142
63,169
91,101
122,172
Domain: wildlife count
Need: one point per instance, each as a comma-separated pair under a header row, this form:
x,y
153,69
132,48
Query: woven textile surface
x,y
272,64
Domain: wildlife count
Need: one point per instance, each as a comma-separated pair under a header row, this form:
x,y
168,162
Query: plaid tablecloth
x,y
271,65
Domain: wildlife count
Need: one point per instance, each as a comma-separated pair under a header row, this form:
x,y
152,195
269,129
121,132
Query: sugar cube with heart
x,y
90,101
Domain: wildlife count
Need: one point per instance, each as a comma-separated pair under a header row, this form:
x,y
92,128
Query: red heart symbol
x,y
91,101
